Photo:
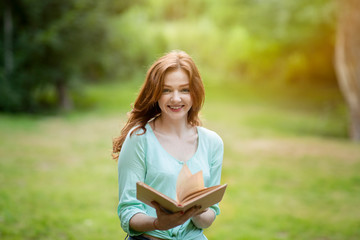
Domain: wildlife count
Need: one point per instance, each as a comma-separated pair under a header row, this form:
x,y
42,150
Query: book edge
x,y
161,195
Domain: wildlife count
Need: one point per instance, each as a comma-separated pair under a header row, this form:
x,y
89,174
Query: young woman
x,y
161,135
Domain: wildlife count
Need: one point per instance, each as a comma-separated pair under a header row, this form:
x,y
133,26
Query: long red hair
x,y
146,107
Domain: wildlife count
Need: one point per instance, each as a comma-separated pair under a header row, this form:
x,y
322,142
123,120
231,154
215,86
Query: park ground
x,y
291,171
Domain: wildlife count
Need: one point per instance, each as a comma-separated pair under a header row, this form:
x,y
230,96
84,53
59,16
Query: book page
x,y
188,183
207,198
198,193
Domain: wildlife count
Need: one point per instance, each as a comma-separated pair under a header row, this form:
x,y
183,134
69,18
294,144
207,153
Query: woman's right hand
x,y
166,220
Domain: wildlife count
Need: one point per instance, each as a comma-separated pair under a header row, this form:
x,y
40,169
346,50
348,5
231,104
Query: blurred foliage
x,y
275,42
285,42
55,43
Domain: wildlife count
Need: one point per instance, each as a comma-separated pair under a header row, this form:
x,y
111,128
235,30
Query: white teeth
x,y
175,107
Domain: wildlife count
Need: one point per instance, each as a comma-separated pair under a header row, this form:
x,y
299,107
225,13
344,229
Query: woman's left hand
x,y
166,220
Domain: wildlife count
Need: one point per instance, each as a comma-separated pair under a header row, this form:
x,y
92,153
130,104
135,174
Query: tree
x,y
347,60
8,31
47,45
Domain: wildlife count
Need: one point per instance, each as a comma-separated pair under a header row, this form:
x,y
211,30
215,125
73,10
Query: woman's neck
x,y
172,127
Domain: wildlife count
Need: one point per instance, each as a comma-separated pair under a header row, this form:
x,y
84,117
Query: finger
x,y
191,212
157,208
155,205
161,209
201,211
198,211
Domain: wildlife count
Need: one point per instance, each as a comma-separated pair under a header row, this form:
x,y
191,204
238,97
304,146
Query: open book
x,y
190,191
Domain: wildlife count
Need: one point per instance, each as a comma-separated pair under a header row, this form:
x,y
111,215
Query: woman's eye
x,y
185,90
165,90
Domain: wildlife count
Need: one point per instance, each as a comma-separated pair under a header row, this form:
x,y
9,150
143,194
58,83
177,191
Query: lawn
x,y
292,173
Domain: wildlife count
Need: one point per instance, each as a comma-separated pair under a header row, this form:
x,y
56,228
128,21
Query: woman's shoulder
x,y
136,138
210,135
138,133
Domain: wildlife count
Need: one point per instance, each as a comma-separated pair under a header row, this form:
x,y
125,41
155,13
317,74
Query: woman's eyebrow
x,y
183,85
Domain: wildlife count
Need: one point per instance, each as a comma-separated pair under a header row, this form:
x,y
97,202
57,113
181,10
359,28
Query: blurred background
x,y
282,89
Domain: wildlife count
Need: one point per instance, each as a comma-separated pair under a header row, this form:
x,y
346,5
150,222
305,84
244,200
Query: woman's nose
x,y
176,97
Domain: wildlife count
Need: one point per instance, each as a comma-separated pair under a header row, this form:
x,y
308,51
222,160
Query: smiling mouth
x,y
176,108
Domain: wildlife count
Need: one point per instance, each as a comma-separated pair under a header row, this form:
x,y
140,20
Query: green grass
x,y
291,171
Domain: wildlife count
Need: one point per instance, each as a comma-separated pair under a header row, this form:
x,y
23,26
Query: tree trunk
x,y
64,99
8,31
347,60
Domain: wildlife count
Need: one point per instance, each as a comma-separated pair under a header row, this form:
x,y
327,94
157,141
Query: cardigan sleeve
x,y
131,169
216,166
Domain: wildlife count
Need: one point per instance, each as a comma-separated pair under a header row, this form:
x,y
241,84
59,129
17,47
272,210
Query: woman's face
x,y
175,101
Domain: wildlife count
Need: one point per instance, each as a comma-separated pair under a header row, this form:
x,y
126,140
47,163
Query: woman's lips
x,y
176,108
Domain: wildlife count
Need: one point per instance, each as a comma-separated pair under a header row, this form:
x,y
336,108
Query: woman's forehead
x,y
178,77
